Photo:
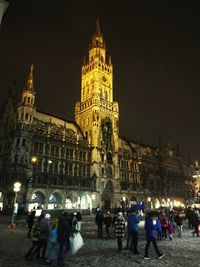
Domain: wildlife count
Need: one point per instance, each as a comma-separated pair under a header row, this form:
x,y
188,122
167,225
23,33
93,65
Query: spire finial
x,y
30,79
97,26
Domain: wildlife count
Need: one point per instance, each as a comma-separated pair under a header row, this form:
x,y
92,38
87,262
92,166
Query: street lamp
x,y
16,188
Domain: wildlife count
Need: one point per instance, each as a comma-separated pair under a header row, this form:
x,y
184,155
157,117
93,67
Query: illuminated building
x,y
83,163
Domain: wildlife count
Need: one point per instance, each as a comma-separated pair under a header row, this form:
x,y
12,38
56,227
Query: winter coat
x,y
45,229
133,221
53,235
164,222
64,229
108,220
159,226
150,228
178,220
171,228
119,228
30,219
99,219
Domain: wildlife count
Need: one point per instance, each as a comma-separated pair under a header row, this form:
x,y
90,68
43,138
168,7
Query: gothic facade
x,y
84,163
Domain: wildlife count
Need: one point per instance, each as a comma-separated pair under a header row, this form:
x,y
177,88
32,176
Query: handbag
x,y
76,242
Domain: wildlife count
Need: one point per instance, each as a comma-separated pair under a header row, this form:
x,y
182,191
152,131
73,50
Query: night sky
x,y
155,49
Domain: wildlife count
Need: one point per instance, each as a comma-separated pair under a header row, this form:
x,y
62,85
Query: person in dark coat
x,y
150,229
133,221
179,222
64,231
195,223
108,223
119,229
99,220
30,222
45,230
78,221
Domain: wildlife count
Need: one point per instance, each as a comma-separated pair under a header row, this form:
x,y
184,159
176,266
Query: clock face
x,y
104,79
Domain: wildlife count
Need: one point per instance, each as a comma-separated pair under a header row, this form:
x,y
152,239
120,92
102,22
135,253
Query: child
x,y
53,242
171,230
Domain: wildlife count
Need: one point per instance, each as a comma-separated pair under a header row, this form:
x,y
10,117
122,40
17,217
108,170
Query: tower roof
x,y
29,85
97,26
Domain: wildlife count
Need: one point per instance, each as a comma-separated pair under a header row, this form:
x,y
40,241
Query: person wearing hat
x,y
119,229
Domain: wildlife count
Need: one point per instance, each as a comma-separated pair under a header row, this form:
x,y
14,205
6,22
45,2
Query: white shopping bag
x,y
76,242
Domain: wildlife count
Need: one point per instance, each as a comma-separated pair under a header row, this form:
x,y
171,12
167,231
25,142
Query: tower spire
x,y
97,26
30,79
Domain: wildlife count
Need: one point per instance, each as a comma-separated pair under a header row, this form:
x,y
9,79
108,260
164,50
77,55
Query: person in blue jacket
x,y
151,228
133,228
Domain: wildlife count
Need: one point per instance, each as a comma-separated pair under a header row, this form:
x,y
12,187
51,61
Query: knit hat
x,y
120,215
47,216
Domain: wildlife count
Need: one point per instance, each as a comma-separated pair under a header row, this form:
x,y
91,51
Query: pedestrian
x,y
119,229
159,229
164,222
129,234
108,223
30,222
99,220
133,221
150,230
179,222
195,223
171,230
53,245
34,238
78,221
45,229
64,232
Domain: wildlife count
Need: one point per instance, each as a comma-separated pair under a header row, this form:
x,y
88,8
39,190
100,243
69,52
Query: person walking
x,y
159,229
64,232
179,222
164,222
78,221
44,233
53,245
36,231
133,221
30,222
119,229
108,223
150,230
195,223
99,220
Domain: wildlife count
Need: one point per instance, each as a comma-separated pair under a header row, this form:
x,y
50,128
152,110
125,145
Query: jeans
x,y
180,230
63,248
52,248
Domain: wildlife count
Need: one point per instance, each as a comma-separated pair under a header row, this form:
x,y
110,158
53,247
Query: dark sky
x,y
155,49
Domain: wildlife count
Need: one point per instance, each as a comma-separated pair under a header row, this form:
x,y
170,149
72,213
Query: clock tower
x,y
97,114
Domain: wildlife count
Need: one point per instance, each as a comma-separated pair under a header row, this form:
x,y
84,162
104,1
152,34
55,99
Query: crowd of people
x,y
51,240
159,225
56,234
